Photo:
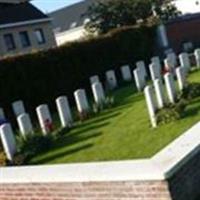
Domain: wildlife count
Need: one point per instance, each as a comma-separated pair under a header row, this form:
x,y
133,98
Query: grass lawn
x,y
120,133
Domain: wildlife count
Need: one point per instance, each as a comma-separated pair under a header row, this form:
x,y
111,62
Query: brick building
x,y
180,34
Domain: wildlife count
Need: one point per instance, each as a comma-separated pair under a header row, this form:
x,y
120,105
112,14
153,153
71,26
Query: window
x,y
87,20
73,25
9,42
40,36
25,41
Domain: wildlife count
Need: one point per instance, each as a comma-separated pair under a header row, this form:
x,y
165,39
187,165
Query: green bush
x,y
33,145
41,77
171,112
191,91
3,159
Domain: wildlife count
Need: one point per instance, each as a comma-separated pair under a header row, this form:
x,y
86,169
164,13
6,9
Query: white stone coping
x,y
159,167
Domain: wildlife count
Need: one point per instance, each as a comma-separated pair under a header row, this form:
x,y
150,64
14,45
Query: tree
x,y
165,10
109,14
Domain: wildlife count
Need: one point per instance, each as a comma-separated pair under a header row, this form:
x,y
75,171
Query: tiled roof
x,y
14,13
71,16
187,17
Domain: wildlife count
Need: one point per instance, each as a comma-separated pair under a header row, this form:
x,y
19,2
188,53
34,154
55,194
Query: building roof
x,y
183,18
14,13
71,16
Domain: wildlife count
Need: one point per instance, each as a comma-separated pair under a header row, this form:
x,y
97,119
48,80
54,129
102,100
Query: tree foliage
x,y
109,14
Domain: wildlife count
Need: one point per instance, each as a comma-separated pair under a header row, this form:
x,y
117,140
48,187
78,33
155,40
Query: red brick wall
x,y
179,32
152,190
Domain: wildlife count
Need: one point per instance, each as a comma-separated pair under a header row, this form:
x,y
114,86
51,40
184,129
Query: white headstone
x,y
139,79
170,87
98,93
156,60
159,93
81,101
173,58
126,73
2,114
148,91
18,108
185,61
25,125
8,141
169,65
180,74
111,79
197,57
141,66
155,71
44,118
64,111
94,79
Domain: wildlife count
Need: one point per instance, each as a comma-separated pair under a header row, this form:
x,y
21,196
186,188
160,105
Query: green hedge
x,y
41,77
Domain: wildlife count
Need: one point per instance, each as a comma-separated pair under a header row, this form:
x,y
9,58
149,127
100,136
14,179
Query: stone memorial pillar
x,y
18,108
64,111
98,93
170,87
94,79
44,117
126,73
180,74
25,125
159,93
8,141
81,101
150,105
111,79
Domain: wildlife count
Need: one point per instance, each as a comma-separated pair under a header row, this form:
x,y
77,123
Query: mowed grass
x,y
120,133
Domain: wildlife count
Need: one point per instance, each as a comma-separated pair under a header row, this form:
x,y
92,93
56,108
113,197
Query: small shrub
x,y
3,159
109,101
33,145
19,159
191,91
171,112
84,115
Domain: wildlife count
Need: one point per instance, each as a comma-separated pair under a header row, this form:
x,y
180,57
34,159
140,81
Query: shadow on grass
x,y
101,118
90,127
68,140
192,111
63,154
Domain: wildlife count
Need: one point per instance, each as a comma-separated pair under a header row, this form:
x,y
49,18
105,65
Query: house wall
x,y
70,35
183,31
48,34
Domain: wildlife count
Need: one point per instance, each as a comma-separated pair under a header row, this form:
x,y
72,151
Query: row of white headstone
x,y
82,103
63,108
157,90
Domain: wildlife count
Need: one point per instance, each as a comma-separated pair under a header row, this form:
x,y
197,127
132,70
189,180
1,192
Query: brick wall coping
x,y
159,167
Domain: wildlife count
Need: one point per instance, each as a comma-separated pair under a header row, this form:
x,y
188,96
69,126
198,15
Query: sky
x,y
186,6
50,5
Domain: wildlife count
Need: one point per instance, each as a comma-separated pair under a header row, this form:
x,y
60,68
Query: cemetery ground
x,y
119,133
